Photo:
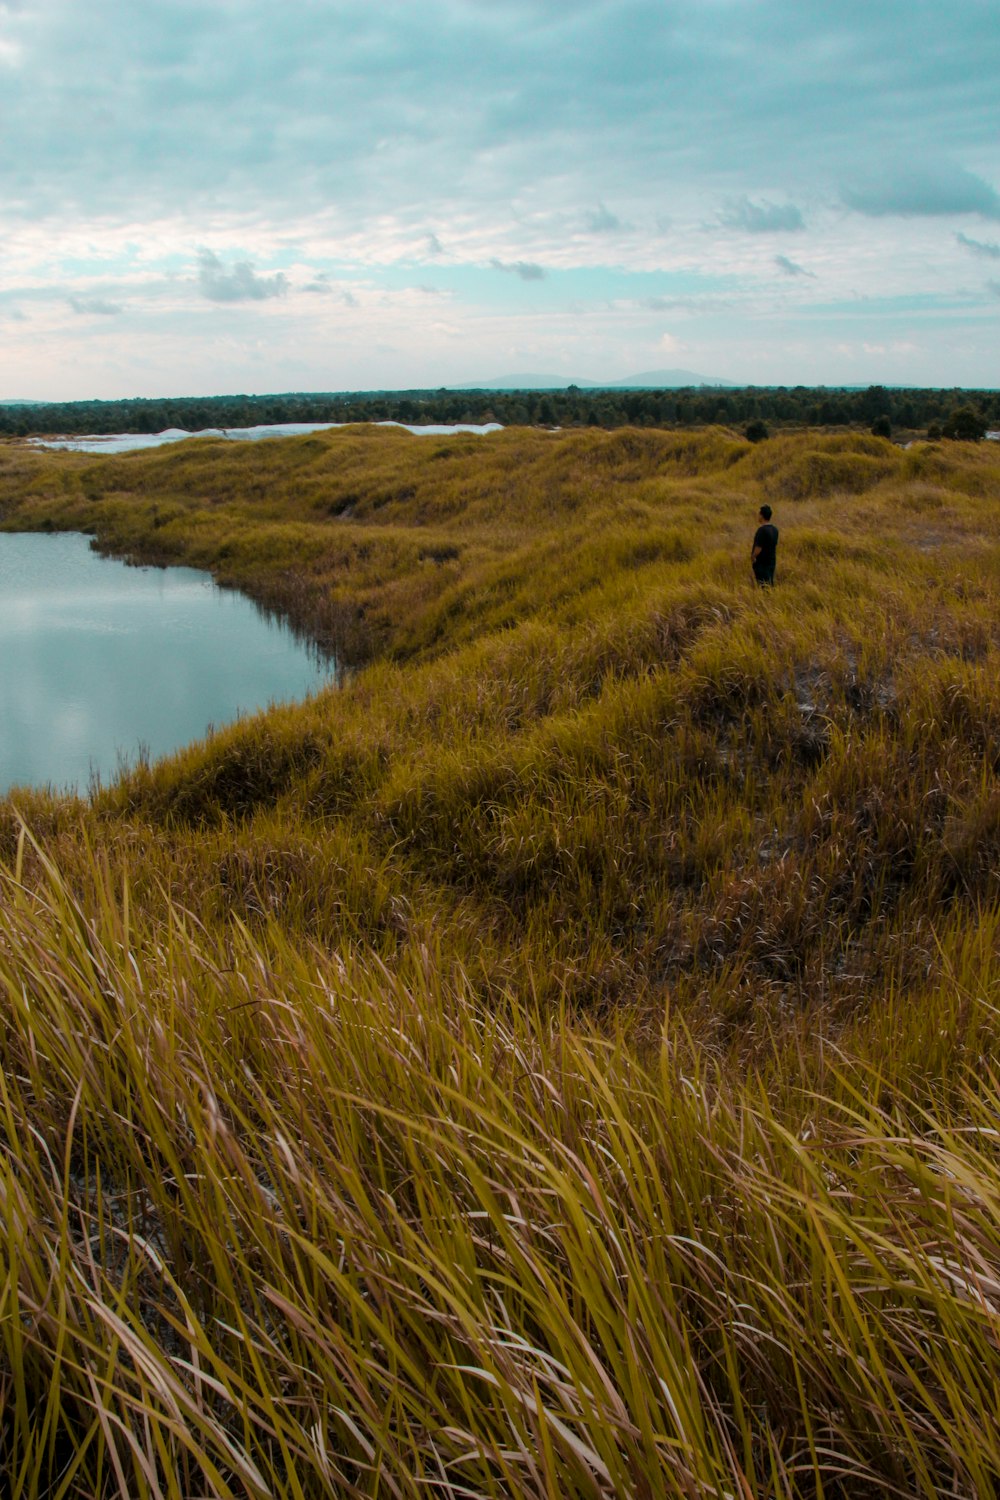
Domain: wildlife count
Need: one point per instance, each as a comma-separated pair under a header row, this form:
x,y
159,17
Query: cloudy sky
x,y
211,196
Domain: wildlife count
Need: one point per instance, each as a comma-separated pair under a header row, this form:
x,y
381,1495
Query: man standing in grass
x,y
764,552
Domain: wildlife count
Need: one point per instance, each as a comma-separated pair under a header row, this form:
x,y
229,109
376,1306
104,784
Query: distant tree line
x,y
886,409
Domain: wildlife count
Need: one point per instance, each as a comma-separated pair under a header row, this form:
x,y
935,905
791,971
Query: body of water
x,y
101,663
130,442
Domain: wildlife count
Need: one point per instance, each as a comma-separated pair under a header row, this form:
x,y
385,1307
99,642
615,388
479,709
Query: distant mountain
x,y
648,380
655,379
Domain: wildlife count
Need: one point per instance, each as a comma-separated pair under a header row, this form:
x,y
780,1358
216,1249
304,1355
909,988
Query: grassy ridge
x,y
579,1076
382,541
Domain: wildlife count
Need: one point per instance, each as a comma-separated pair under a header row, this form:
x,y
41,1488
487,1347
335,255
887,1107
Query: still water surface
x,y
100,662
133,442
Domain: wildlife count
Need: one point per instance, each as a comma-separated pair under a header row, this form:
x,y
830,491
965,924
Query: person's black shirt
x,y
766,538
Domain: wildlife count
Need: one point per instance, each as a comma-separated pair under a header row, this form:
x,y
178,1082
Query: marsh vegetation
x,y
559,1061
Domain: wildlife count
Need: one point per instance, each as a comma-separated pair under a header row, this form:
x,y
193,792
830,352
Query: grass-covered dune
x,y
562,1059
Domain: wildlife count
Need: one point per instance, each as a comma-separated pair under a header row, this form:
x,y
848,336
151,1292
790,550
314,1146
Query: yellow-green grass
x,y
560,1060
379,540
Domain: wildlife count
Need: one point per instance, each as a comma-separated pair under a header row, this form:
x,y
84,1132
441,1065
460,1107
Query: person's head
x,y
765,512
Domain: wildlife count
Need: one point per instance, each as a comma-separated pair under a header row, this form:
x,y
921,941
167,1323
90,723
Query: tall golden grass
x,y
561,1060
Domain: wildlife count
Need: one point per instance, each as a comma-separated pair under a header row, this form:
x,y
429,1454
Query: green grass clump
x,y
560,1060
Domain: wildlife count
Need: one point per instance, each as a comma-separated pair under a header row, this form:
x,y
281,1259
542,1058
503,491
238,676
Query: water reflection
x,y
133,442
100,662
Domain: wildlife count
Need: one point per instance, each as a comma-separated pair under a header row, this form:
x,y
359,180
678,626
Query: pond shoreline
x,y
105,668
138,442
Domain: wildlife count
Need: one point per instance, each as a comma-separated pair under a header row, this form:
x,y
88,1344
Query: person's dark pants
x,y
764,576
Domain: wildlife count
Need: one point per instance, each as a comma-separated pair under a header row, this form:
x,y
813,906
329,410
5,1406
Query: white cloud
x,y
368,150
602,221
791,267
239,284
761,218
924,191
987,249
98,306
527,270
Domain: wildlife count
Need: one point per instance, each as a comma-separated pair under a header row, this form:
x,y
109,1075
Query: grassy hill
x,y
560,1060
